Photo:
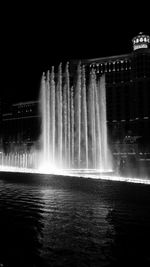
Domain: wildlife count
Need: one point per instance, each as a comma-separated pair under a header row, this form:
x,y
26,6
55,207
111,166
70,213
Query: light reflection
x,y
82,173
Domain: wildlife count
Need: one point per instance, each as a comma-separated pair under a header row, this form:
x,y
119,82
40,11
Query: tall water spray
x,y
74,128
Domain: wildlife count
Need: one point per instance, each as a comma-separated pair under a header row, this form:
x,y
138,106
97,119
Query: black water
x,y
64,221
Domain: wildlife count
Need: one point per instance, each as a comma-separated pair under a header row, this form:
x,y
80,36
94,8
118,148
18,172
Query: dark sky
x,y
35,38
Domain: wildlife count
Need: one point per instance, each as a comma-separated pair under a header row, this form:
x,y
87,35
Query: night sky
x,y
35,38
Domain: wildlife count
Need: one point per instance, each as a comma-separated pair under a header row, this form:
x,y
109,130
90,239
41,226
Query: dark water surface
x,y
66,221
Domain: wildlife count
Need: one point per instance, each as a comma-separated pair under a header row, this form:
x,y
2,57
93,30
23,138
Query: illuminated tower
x,y
140,41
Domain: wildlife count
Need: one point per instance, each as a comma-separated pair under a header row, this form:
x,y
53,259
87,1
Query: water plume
x,y
74,127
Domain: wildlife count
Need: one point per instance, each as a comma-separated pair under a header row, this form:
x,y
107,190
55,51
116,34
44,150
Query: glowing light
x,y
140,46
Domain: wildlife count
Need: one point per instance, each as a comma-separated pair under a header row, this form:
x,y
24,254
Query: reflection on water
x,y
75,225
59,221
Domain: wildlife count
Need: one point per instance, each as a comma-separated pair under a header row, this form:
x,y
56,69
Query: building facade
x,y
127,93
20,127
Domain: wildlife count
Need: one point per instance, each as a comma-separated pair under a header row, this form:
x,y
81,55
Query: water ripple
x,y
68,222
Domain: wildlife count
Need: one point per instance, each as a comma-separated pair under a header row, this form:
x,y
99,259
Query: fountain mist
x,y
74,128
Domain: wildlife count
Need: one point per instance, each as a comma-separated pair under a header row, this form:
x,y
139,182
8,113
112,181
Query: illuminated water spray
x,y
73,138
74,128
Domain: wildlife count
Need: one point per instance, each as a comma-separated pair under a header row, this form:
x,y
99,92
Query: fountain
x,y
73,139
74,128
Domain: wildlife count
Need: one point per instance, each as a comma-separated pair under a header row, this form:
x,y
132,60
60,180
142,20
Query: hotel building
x,y
127,96
127,92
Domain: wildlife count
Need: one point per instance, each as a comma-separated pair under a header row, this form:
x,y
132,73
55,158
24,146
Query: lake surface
x,y
67,221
